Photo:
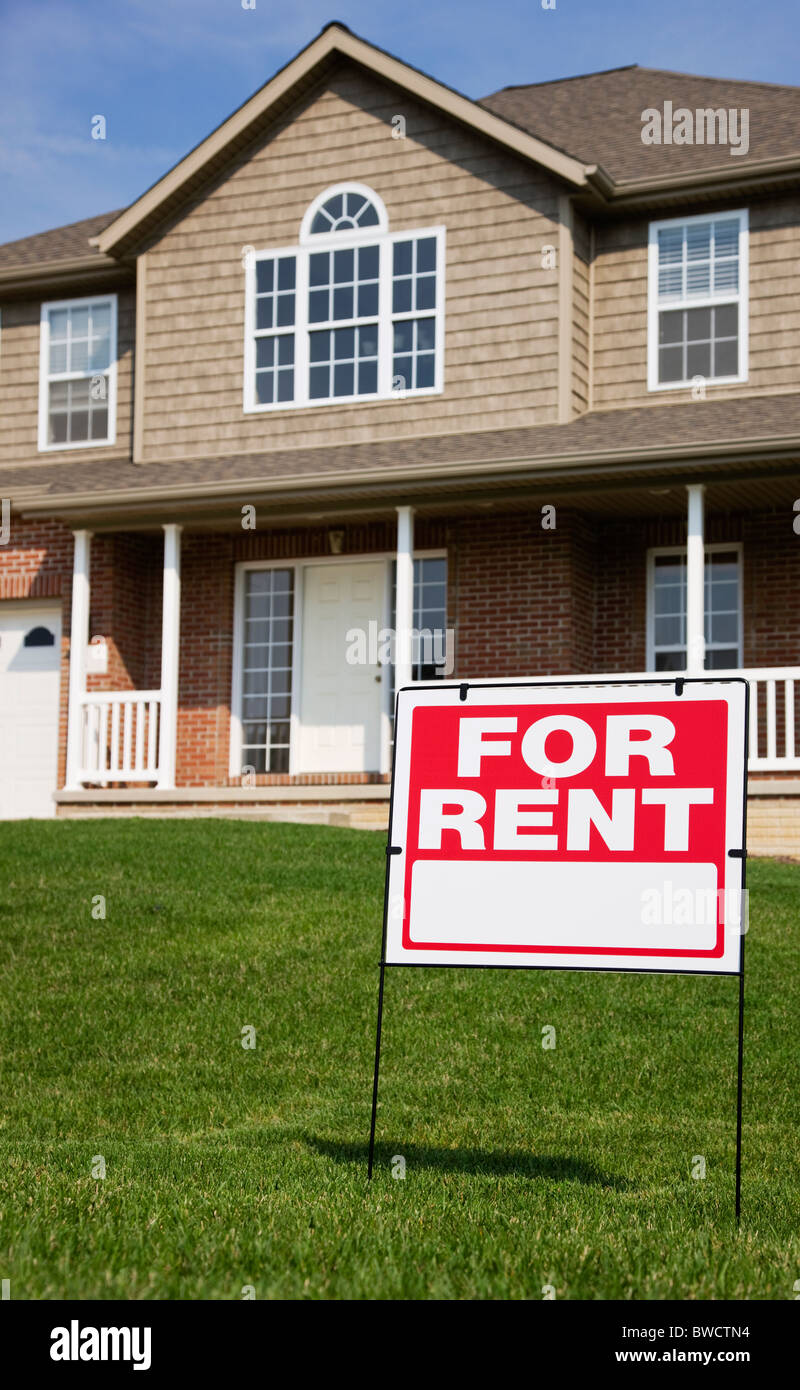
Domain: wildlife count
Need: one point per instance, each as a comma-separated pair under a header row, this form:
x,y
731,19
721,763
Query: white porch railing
x,y
123,735
121,730
774,745
774,693
120,736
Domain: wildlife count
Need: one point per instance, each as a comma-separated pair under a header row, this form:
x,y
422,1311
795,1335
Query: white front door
x,y
340,703
30,666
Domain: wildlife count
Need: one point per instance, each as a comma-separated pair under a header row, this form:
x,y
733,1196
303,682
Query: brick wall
x,y
125,608
520,595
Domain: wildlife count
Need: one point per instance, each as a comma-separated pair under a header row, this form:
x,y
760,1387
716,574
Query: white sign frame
x,y
668,691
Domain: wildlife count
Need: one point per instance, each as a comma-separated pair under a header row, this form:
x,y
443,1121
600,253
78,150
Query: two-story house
x,y
378,357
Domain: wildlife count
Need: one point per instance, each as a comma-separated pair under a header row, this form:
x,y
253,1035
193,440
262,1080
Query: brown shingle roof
x,y
617,440
63,243
597,119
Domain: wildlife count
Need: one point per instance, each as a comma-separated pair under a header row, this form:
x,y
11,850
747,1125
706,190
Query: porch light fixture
x,y
335,540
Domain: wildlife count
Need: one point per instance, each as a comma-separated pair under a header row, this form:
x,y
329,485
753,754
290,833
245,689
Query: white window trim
x,y
341,241
298,568
45,377
742,298
732,546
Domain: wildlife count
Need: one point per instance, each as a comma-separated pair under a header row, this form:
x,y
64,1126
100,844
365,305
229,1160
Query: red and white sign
x,y
591,827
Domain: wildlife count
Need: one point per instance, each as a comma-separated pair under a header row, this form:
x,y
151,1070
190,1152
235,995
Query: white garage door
x,y
30,662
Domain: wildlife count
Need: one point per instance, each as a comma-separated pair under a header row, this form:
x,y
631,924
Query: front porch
x,y
257,710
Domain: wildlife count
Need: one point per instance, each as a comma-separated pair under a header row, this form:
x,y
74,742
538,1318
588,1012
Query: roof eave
x,y
733,179
769,448
39,274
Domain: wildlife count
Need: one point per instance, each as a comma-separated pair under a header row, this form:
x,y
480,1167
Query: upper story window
x,y
78,373
352,313
697,300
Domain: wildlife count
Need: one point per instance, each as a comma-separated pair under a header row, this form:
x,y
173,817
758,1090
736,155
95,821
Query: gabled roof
x,y
331,45
597,119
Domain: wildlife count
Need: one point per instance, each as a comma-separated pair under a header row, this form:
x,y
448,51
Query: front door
x,y
341,702
30,667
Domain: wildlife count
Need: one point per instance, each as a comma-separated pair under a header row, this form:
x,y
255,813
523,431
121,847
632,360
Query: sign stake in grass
x,y
569,826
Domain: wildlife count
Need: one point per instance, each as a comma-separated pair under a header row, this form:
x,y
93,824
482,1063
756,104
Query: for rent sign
x,y
584,827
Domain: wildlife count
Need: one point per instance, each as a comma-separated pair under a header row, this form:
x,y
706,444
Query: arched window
x,y
349,208
353,312
39,637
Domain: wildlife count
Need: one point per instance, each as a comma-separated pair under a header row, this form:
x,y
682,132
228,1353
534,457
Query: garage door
x,y
30,662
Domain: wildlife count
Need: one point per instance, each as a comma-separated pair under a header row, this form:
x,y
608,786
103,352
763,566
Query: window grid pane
x,y
414,360
429,615
275,308
343,285
699,259
722,611
698,342
267,653
79,361
344,212
344,362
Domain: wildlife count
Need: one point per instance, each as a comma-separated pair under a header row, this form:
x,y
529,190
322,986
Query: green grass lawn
x,y
228,1167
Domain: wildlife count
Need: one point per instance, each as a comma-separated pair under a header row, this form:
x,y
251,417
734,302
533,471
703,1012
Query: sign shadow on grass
x,y
481,1162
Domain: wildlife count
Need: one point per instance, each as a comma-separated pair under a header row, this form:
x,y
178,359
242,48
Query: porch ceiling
x,y
659,496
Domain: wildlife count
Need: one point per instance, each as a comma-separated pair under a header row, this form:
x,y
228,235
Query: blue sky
x,y
165,72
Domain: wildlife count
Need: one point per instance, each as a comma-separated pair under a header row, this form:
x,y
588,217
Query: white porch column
x,y
78,644
404,611
695,582
170,654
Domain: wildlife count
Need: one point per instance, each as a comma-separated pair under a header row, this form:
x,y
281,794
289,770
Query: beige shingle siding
x,y
620,310
19,382
501,304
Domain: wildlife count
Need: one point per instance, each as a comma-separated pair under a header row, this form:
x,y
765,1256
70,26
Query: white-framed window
x,y
666,608
697,300
78,373
352,313
265,649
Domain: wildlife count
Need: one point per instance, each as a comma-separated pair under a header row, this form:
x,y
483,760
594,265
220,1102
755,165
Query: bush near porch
x,y
228,1167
